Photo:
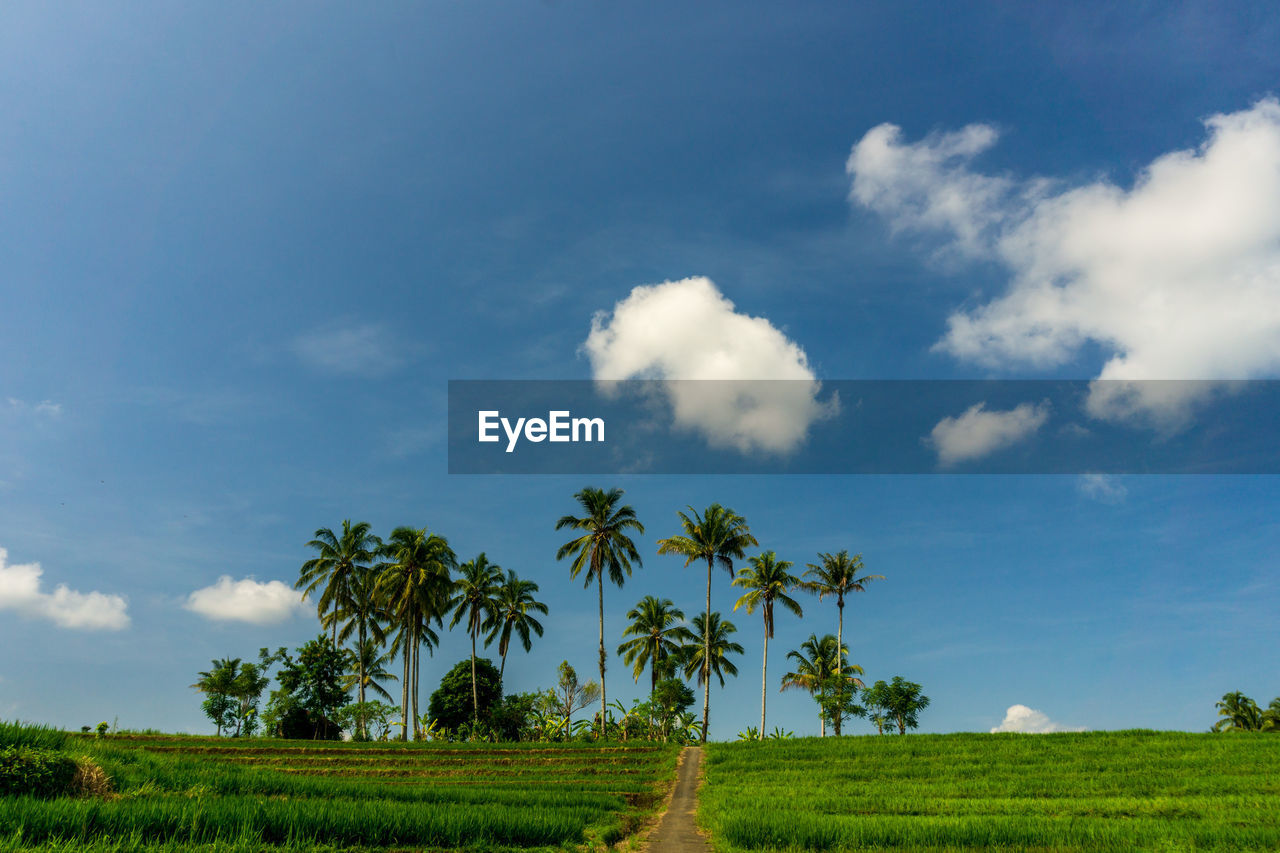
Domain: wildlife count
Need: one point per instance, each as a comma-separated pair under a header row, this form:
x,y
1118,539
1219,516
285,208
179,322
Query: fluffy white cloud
x,y
1102,488
245,601
1020,718
20,591
364,349
1176,277
979,432
688,330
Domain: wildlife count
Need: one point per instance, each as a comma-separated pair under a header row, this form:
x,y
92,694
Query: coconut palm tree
x,y
474,595
816,664
658,631
837,575
716,640
513,609
361,614
413,587
604,546
767,580
1271,717
718,536
339,560
1239,713
370,669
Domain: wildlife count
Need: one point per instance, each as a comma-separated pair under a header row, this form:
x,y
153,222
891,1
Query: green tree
x,y
569,694
513,609
369,667
1271,717
233,689
899,702
604,546
817,662
474,596
716,641
455,702
718,537
767,580
218,685
314,681
334,570
1238,713
838,575
658,631
414,587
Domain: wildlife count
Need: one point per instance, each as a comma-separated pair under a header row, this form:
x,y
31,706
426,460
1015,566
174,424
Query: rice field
x,y
1089,791
210,794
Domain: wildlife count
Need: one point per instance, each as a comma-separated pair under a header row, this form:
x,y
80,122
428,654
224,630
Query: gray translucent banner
x,y
864,427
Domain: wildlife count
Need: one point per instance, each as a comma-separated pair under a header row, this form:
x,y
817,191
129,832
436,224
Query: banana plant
x,y
429,728
752,733
780,733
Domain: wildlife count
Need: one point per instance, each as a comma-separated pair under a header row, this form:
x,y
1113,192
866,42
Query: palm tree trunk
x,y
413,689
503,667
404,685
706,658
603,698
475,696
764,680
839,646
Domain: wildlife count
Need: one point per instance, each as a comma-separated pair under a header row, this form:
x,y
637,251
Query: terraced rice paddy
x,y
185,794
1089,791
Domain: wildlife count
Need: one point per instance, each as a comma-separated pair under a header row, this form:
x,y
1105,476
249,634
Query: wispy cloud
x,y
20,591
361,349
1020,718
979,432
1103,488
687,329
42,409
1175,277
245,600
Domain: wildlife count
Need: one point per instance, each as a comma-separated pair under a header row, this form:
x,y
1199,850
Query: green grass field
x,y
1089,791
183,793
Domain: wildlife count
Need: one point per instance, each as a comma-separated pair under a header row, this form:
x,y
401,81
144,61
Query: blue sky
x,y
244,250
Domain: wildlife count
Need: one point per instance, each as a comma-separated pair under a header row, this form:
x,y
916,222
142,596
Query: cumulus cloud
x,y
1102,488
20,591
1175,277
688,330
364,349
979,432
1020,718
245,600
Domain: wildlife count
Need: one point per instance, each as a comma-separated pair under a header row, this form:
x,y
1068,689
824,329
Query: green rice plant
x,y
30,771
31,734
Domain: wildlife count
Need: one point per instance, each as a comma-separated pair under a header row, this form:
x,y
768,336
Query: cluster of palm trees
x,y
376,591
717,536
1238,713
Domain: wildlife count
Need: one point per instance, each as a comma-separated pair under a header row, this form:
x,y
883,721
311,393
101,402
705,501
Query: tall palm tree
x,y
837,575
658,631
414,586
708,652
603,546
474,594
816,663
513,609
361,614
718,536
340,558
767,580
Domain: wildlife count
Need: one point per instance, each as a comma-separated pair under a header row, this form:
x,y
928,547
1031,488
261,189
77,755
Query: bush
x,y
451,702
35,771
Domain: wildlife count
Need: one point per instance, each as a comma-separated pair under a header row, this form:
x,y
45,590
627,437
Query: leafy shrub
x,y
31,734
35,771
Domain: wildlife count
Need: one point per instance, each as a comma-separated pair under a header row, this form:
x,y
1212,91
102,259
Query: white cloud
x,y
1102,488
1020,718
45,408
245,601
1175,277
20,591
687,329
979,432
364,349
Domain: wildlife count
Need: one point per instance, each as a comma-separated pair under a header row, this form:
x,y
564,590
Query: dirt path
x,y
677,832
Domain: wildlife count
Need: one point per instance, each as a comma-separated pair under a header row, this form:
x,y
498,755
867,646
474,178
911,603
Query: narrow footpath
x,y
677,832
